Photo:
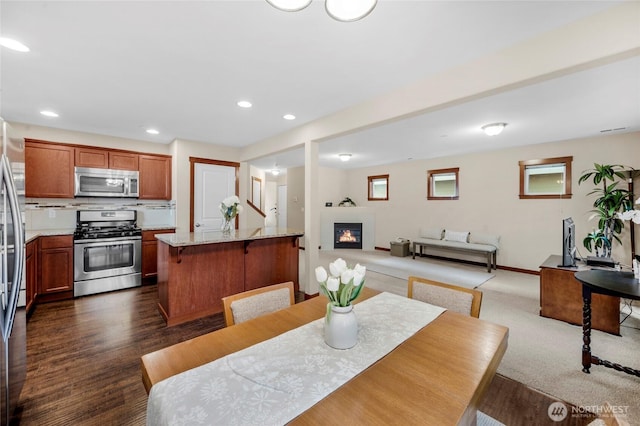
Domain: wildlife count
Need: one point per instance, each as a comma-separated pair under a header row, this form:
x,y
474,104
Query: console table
x,y
612,283
561,297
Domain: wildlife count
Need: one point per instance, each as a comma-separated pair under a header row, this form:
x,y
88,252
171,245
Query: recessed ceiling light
x,y
493,129
344,157
48,113
289,117
244,104
12,44
153,132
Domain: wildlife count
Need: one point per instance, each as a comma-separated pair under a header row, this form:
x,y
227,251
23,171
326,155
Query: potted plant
x,y
610,201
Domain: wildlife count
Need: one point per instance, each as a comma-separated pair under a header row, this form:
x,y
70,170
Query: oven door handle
x,y
107,241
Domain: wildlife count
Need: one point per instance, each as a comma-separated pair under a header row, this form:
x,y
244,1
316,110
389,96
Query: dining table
x,y
436,373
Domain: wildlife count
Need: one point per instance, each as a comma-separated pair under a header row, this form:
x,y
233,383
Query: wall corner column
x,y
311,217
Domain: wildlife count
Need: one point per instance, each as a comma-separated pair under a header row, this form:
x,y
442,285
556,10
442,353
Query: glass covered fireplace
x,y
347,235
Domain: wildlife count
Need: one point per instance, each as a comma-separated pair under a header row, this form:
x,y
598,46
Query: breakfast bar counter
x,y
196,270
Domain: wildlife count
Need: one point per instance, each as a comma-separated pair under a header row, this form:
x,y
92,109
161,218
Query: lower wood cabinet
x,y
31,273
55,268
150,252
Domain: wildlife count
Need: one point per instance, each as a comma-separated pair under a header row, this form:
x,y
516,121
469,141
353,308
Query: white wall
x,y
489,202
182,150
79,138
295,198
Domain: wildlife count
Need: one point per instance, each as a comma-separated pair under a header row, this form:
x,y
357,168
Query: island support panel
x,y
193,279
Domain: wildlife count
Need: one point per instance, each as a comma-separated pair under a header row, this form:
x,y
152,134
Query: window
x,y
546,178
378,187
442,184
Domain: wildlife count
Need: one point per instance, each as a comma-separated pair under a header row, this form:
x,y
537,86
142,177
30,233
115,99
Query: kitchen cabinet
x,y
55,267
49,170
155,177
31,273
105,159
150,252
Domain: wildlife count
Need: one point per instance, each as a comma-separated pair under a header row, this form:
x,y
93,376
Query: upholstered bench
x,y
459,241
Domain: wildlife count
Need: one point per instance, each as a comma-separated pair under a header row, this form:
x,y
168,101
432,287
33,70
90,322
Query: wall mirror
x,y
256,192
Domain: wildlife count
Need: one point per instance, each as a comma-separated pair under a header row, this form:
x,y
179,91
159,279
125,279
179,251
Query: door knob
x,y
197,225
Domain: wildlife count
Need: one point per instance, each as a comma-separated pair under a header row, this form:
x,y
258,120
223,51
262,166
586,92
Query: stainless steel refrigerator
x,y
12,253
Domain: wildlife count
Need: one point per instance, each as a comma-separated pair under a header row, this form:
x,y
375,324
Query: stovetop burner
x,y
106,224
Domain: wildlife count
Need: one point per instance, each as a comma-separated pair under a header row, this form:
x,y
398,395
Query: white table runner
x,y
274,381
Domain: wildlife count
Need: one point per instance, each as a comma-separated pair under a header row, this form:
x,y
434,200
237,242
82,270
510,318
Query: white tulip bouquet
x,y
230,207
341,285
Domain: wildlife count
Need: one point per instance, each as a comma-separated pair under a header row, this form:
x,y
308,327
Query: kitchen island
x,y
196,270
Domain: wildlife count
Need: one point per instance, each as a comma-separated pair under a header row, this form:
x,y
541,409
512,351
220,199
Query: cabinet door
x,y
48,170
31,274
123,161
150,252
55,264
92,157
155,177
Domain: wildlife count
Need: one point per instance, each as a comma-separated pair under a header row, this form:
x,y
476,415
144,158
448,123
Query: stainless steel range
x,y
107,251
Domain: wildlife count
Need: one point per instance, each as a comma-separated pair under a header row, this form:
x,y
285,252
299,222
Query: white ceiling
x,y
117,68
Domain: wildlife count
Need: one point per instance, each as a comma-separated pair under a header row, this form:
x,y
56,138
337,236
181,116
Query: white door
x,y
212,184
282,206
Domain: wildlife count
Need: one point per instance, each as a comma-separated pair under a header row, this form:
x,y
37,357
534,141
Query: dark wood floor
x,y
83,364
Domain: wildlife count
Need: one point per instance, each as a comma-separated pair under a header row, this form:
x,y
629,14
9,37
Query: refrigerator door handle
x,y
13,292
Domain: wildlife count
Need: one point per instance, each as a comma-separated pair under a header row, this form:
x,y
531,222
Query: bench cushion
x,y
486,248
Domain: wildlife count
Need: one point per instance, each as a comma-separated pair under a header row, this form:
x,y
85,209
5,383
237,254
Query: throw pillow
x,y
459,236
431,233
492,240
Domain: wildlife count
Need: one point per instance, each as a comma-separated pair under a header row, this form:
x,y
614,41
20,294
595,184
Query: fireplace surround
x,y
347,235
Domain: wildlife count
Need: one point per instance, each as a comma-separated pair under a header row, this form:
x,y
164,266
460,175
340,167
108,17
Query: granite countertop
x,y
214,237
32,234
157,227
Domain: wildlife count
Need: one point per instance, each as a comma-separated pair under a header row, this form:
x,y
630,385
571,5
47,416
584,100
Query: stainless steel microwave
x,y
91,182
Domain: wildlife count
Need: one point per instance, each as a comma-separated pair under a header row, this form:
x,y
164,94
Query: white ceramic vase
x,y
341,327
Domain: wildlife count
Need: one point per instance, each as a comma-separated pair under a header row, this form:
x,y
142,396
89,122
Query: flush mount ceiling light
x,y
153,132
340,10
344,157
48,113
289,5
493,129
275,172
289,117
12,44
244,104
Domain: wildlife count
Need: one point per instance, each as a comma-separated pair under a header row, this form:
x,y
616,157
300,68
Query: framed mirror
x,y
256,192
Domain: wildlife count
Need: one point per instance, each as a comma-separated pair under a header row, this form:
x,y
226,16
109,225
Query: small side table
x,y
612,283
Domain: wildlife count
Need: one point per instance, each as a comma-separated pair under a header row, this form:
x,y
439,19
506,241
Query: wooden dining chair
x,y
459,299
250,304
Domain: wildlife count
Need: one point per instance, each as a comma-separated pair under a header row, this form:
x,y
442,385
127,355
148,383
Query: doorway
x,y
211,182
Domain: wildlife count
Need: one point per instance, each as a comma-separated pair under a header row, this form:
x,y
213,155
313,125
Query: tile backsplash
x,y
42,214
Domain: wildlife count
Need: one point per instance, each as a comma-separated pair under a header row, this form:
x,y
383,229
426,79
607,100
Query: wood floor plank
x,y
83,363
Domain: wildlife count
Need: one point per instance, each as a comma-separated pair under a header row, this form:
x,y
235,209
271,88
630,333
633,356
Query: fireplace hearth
x,y
347,235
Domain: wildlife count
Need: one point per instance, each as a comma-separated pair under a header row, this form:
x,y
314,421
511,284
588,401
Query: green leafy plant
x,y
347,202
610,201
597,240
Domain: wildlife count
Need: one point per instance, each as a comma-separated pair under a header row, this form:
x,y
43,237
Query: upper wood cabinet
x,y
48,169
155,177
106,159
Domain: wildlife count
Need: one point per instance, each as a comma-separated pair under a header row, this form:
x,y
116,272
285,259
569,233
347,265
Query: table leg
x,y
586,329
414,249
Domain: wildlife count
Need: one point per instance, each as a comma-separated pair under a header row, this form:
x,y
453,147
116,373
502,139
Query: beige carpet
x,y
403,267
544,353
